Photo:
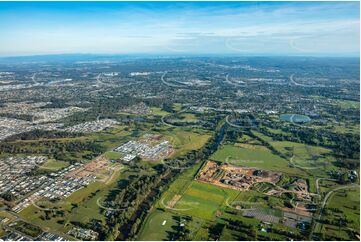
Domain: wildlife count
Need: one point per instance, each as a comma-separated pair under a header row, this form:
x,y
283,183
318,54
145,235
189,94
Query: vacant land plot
x,y
54,165
184,141
112,155
257,156
304,155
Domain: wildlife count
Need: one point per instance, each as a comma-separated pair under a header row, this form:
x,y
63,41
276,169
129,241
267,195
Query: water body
x,y
295,118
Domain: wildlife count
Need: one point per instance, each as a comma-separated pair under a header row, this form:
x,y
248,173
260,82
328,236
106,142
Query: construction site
x,y
235,177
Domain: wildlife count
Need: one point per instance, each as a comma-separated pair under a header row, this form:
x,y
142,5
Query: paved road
x,y
165,123
233,83
331,192
318,185
296,83
292,79
33,78
166,83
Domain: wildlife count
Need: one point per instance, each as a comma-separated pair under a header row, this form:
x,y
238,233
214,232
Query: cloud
x,y
212,27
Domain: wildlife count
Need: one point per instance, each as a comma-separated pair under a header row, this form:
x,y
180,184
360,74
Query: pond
x,y
295,118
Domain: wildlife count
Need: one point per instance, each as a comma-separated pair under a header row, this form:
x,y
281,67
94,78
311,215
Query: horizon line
x,y
163,54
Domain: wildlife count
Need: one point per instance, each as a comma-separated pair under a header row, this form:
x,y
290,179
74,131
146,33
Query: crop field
x,y
253,156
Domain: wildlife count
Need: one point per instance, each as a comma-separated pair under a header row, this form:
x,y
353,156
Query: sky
x,y
240,28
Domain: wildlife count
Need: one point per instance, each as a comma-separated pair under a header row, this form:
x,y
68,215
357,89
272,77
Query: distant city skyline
x,y
176,28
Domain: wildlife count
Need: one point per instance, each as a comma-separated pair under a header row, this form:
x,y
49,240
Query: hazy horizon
x,y
329,29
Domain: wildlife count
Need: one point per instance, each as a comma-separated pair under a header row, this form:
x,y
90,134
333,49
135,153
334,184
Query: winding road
x,y
238,126
303,167
324,202
168,84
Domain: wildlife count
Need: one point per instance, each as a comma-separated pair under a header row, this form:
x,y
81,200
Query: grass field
x,y
304,155
343,204
3,215
198,200
158,111
344,128
253,156
202,200
177,107
154,227
348,202
54,165
112,138
112,155
346,104
262,136
184,141
205,204
186,117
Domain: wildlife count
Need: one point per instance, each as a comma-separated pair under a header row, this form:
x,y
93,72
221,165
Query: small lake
x,y
295,118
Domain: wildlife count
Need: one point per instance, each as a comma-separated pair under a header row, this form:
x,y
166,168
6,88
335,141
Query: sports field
x,y
203,200
157,226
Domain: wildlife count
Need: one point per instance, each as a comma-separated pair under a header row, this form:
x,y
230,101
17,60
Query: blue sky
x,y
244,28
